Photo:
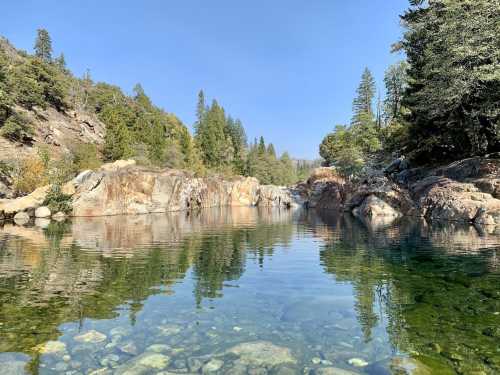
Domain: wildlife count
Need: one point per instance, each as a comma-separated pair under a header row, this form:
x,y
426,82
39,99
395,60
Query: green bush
x,y
86,156
17,128
57,201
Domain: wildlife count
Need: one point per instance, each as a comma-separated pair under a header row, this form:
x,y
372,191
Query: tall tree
x,y
396,82
365,93
454,78
43,45
200,109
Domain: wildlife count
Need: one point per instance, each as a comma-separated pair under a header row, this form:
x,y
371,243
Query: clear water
x,y
249,291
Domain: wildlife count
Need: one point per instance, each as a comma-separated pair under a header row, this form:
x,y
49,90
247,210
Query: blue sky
x,y
287,68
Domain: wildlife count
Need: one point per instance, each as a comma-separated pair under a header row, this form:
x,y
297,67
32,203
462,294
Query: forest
x,y
135,127
442,101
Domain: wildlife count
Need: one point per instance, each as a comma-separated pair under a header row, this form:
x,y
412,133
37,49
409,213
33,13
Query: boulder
x,y
42,212
378,196
27,203
372,206
275,196
441,198
21,218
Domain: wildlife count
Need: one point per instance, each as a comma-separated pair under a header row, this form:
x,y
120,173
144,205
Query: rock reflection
x,y
433,289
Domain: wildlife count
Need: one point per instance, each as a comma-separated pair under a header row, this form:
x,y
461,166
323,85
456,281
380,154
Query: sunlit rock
x,y
262,353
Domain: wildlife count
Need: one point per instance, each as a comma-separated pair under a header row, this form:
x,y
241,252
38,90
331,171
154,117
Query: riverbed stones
x,y
212,366
333,371
42,212
53,347
14,363
128,348
357,362
144,364
92,336
262,353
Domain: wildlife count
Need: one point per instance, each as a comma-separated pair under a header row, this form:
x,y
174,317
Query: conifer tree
x,y
61,62
365,93
43,45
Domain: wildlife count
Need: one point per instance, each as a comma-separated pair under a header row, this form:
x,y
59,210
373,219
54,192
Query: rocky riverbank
x,y
126,188
467,191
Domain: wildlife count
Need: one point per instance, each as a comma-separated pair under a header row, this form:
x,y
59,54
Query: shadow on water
x,y
323,284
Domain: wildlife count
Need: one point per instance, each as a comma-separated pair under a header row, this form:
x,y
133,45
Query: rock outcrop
x,y
131,189
123,187
466,191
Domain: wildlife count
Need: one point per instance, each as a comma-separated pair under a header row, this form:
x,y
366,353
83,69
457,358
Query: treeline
x,y
135,127
224,147
441,104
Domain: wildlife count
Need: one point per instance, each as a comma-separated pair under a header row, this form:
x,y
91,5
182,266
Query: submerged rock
x,y
262,353
52,347
333,371
357,362
14,363
144,364
212,366
91,337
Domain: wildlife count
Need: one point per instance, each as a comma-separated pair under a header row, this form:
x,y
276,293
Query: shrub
x,y
31,173
86,156
57,201
17,128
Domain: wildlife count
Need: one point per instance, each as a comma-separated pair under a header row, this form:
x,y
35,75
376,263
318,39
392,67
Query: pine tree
x,y
270,150
117,142
61,62
396,82
261,148
365,93
43,45
454,79
200,110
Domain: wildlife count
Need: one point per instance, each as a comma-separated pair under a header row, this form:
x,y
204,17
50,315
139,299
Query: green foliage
x,y
342,149
17,128
263,164
57,201
43,45
454,78
117,141
213,139
86,156
362,103
396,82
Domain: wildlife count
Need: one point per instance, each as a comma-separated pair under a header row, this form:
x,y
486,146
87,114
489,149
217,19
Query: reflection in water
x,y
329,287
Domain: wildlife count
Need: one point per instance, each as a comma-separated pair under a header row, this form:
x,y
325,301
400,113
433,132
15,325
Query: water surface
x,y
248,291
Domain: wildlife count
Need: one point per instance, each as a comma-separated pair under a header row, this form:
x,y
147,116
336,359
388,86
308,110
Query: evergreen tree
x,y
61,62
261,148
454,78
117,142
396,82
271,151
211,136
365,93
200,110
43,45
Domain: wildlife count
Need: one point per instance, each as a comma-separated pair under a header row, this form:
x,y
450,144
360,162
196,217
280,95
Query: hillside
x,y
53,123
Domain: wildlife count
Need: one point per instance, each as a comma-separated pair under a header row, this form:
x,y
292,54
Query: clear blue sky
x,y
287,68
